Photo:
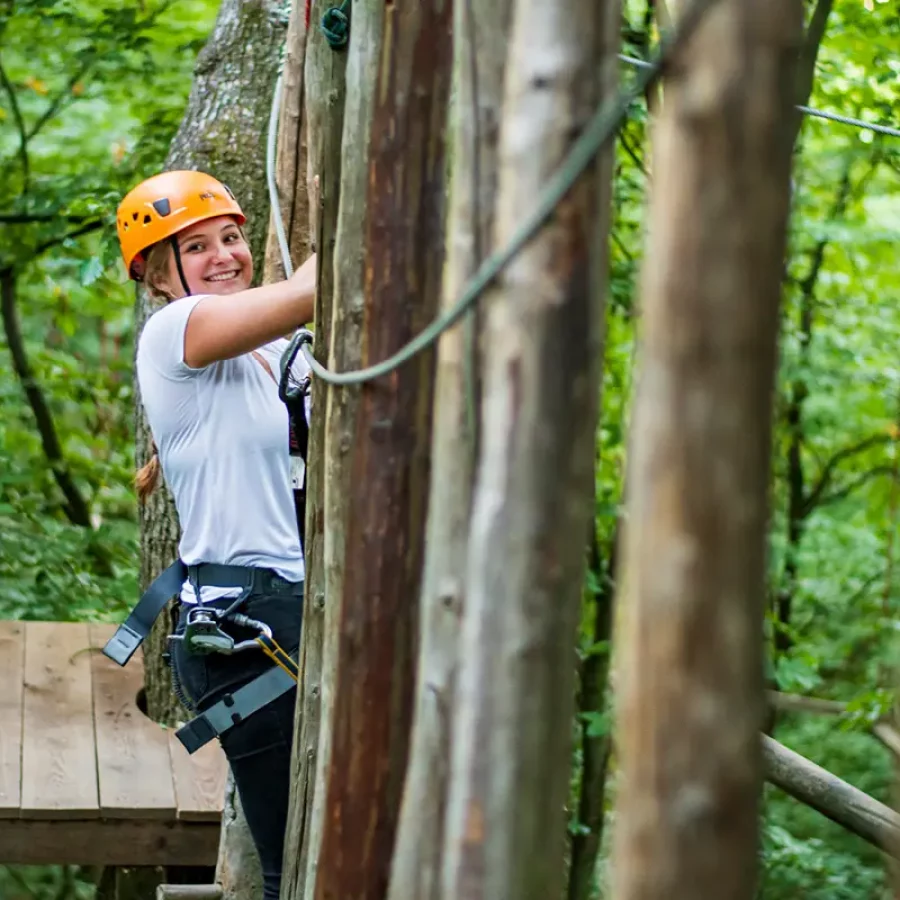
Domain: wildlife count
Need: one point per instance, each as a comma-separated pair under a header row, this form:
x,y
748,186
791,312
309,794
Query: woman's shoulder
x,y
161,342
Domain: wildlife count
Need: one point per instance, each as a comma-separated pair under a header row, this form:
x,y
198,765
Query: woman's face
x,y
215,258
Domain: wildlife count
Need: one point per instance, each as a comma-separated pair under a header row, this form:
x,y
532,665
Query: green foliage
x,y
96,93
90,97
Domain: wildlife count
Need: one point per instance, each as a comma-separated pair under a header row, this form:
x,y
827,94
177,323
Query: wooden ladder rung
x,y
188,892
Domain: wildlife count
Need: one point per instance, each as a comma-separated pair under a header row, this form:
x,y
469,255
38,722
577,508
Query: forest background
x,y
90,98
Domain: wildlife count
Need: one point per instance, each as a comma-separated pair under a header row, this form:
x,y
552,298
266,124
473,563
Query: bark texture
x,y
344,353
479,38
390,255
323,112
533,498
690,674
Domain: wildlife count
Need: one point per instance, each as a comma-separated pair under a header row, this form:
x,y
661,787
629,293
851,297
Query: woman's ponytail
x,y
147,476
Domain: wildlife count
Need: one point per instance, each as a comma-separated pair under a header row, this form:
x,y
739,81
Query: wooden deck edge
x,y
108,842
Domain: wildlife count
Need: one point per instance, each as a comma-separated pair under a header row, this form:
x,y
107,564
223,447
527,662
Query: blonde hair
x,y
156,269
147,476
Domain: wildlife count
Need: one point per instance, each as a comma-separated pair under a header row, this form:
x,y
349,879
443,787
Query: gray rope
x,y
602,126
270,179
848,120
806,110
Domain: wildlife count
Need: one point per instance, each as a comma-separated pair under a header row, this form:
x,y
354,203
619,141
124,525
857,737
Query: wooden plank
x,y
12,661
189,892
59,763
199,781
108,842
133,766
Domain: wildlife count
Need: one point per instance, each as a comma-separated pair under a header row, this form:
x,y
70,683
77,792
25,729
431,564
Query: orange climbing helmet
x,y
163,205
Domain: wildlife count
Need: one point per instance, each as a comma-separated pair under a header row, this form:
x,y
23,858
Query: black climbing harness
x,y
204,634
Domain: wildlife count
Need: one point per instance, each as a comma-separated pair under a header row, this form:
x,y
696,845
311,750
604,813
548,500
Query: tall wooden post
x,y
480,28
542,345
389,258
690,671
320,134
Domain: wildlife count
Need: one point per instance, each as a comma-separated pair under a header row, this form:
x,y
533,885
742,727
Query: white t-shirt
x,y
222,436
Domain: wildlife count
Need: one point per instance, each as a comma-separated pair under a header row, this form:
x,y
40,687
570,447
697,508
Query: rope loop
x,y
335,26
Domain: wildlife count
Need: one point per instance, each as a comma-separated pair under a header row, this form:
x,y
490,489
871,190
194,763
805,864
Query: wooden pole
x,y
826,793
690,676
541,350
480,28
389,261
323,120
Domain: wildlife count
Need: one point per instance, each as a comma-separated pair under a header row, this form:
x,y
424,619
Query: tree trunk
x,y
690,675
595,748
479,40
323,113
533,500
224,133
389,252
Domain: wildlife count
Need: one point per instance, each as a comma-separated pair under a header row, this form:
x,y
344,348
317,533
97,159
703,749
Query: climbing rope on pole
x,y
601,127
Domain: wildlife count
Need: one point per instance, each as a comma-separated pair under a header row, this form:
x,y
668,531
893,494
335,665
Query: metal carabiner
x,y
286,393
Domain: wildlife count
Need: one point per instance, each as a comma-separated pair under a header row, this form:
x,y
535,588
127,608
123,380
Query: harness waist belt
x,y
234,708
133,632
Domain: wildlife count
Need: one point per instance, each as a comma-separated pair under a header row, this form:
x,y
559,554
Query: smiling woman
x,y
205,367
215,251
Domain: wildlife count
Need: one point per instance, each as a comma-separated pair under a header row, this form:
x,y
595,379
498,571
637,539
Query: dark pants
x,y
259,748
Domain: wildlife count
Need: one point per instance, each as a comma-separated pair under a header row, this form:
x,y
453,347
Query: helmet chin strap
x,y
178,265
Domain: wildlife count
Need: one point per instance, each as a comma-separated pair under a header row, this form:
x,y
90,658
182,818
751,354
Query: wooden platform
x,y
85,777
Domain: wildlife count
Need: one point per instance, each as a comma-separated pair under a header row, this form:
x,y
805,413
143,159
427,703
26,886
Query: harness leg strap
x,y
132,633
232,709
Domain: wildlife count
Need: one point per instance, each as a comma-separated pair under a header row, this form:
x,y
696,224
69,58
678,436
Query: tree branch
x,y
75,507
29,218
86,228
623,249
630,150
802,703
20,125
57,102
855,483
828,470
806,68
798,703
